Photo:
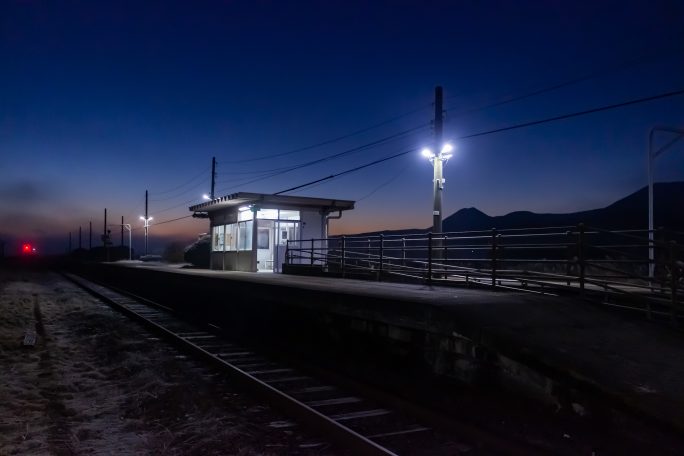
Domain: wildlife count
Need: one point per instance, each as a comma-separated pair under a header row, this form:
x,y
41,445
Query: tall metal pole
x,y
213,176
438,181
146,222
90,235
122,227
651,252
104,237
651,158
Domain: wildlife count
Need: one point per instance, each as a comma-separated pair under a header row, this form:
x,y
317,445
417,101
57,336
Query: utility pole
x,y
105,237
146,223
122,226
441,153
438,181
90,235
213,176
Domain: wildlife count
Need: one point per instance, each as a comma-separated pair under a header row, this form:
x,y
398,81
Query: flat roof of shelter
x,y
281,201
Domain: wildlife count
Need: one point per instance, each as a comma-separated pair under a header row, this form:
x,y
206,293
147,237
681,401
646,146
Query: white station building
x,y
239,244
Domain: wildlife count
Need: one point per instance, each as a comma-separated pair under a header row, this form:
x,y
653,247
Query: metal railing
x,y
590,261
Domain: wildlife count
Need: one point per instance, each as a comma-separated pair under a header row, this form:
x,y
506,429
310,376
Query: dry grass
x,y
94,384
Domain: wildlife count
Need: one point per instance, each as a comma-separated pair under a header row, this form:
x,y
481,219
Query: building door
x,y
265,245
286,231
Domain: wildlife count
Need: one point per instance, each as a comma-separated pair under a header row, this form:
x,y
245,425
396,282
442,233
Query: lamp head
x,y
427,153
447,148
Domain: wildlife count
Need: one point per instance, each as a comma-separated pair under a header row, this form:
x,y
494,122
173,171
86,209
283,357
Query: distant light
x,y
206,197
243,208
427,153
142,218
26,248
447,148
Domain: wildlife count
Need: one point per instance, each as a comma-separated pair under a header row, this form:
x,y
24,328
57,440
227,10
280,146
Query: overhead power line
x,y
192,179
585,77
173,220
329,141
576,114
357,168
280,171
498,130
483,133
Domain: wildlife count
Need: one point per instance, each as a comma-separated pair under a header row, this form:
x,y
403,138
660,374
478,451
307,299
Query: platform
x,y
633,362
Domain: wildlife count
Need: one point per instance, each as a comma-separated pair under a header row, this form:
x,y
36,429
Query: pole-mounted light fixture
x,y
437,161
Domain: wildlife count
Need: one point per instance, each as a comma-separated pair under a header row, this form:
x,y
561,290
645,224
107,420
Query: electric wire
x,y
331,157
330,141
190,189
620,66
498,130
483,133
357,168
204,170
576,114
385,184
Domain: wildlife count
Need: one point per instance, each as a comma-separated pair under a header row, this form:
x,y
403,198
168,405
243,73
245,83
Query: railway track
x,y
357,421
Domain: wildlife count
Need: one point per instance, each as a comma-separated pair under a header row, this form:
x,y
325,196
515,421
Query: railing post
x,y
368,254
494,251
674,273
312,251
403,252
344,253
581,241
382,251
446,257
287,252
569,261
430,257
662,236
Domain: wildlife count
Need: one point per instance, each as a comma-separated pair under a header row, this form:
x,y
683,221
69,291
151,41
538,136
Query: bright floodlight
x,y
447,148
206,197
142,218
427,153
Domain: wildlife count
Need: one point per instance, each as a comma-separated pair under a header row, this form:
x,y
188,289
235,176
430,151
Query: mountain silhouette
x,y
630,212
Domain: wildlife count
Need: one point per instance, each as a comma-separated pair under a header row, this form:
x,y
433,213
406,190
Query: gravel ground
x,y
97,383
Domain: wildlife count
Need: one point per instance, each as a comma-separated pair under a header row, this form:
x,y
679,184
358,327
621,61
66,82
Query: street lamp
x,y
147,227
206,197
652,155
438,182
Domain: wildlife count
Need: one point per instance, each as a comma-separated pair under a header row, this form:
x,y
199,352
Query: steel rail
x,y
338,432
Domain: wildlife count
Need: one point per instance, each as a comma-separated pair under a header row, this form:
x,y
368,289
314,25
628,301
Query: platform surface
x,y
629,358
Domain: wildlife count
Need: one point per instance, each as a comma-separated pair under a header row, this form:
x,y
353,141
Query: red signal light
x,y
28,249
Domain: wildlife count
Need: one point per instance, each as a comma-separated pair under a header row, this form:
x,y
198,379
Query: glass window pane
x,y
271,214
245,235
231,236
289,215
245,215
217,238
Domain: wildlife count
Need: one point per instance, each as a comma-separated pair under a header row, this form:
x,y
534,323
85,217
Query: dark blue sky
x,y
100,101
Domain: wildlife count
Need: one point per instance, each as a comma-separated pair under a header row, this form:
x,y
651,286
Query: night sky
x,y
100,101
